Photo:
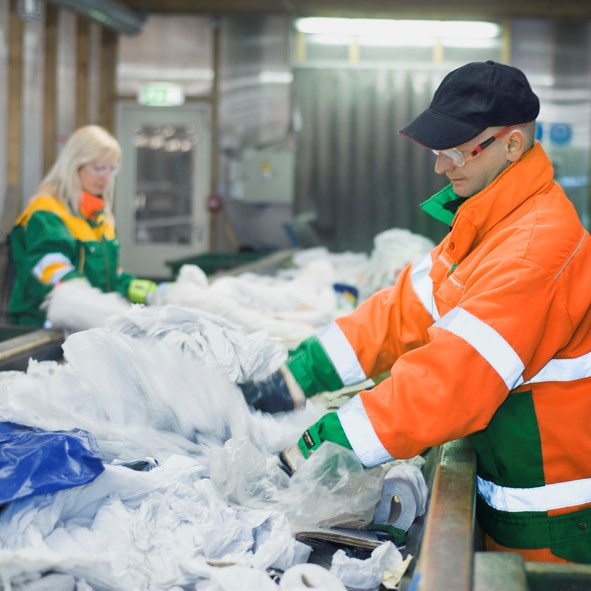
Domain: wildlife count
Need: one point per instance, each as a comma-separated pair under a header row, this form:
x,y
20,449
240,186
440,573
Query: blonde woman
x,y
64,246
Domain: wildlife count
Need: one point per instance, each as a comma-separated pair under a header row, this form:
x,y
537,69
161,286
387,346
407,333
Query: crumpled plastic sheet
x,y
366,575
192,290
142,530
33,461
330,489
218,342
153,530
292,304
310,576
393,250
140,396
166,528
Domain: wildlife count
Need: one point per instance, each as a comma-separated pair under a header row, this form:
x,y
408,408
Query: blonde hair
x,y
87,144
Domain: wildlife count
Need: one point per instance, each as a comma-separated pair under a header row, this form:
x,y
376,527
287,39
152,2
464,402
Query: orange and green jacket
x,y
50,244
488,337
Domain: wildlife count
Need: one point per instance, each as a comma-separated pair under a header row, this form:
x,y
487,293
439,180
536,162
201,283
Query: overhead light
x,y
397,29
109,13
473,43
271,77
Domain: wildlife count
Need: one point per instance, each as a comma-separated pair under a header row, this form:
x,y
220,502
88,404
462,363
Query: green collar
x,y
435,205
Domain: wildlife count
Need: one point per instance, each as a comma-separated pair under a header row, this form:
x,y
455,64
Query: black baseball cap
x,y
470,99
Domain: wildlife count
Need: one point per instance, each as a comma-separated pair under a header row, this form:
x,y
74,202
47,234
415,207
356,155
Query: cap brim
x,y
437,132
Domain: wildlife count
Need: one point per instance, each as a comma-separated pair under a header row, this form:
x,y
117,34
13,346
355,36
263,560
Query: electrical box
x,y
268,176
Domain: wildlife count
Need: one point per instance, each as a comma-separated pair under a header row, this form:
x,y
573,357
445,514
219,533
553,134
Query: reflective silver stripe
x,y
361,435
488,342
564,370
341,354
539,498
53,258
423,285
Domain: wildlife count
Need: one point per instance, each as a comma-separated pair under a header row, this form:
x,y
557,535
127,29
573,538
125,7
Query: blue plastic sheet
x,y
35,462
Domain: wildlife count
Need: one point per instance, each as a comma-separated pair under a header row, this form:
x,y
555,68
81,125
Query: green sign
x,y
161,94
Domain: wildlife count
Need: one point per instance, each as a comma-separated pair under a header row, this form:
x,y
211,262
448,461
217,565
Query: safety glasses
x,y
103,168
459,159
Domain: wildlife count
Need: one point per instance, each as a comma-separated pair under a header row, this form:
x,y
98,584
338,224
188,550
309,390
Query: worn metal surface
x,y
542,576
447,549
267,265
499,571
41,344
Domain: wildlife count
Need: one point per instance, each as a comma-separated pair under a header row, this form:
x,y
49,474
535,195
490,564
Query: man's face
x,y
479,171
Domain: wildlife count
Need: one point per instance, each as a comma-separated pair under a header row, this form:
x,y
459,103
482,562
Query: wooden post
x,y
50,87
214,213
108,64
13,198
15,99
82,67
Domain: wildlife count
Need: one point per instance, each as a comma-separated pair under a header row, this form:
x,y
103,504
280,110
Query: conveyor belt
x,y
450,556
267,265
42,344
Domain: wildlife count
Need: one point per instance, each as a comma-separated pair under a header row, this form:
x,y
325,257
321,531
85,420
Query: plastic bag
x,y
331,489
34,462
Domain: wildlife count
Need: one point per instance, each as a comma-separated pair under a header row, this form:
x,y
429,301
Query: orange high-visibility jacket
x,y
488,337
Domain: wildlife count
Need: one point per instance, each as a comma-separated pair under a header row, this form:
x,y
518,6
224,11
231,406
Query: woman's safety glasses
x,y
459,159
104,168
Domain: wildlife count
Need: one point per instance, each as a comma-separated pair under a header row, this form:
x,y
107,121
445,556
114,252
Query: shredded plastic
x,y
215,496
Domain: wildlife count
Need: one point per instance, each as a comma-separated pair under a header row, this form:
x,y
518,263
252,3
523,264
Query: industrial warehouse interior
x,y
294,294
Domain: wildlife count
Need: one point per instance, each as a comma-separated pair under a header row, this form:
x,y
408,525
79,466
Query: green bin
x,y
212,263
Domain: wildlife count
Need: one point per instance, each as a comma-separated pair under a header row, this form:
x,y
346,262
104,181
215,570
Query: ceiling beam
x,y
425,9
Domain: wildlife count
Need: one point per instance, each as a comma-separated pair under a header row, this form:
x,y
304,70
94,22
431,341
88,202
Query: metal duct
x,y
108,13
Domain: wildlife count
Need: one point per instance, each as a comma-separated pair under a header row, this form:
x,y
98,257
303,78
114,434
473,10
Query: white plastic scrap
x,y
393,250
366,574
217,341
143,396
192,290
142,389
310,576
297,300
140,530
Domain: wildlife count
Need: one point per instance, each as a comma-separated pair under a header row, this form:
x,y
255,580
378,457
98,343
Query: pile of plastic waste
x,y
138,465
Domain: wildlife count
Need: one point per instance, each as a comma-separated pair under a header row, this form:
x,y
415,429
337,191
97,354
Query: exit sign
x,y
161,95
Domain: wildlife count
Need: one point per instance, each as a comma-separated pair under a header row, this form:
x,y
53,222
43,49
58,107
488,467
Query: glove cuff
x,y
139,290
328,428
297,394
278,393
291,459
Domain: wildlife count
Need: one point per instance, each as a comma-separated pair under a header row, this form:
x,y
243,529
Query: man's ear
x,y
515,145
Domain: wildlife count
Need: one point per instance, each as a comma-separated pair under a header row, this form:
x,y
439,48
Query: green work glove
x,y
139,290
328,428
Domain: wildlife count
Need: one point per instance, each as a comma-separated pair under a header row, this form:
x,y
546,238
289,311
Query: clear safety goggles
x,y
459,159
104,168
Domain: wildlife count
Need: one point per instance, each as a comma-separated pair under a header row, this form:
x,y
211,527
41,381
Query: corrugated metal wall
x,y
358,177
354,172
557,58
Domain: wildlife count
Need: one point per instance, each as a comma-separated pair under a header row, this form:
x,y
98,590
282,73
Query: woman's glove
x,y
139,290
144,291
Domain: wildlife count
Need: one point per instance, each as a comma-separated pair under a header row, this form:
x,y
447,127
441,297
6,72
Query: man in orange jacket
x,y
489,337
